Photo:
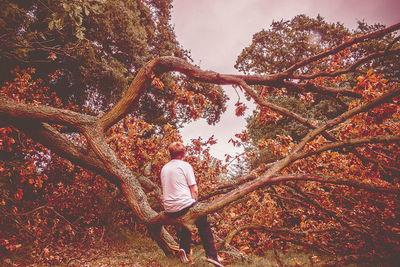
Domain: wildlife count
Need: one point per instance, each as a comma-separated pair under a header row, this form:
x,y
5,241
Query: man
x,y
180,192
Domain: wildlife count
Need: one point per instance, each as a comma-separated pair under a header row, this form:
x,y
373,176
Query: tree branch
x,y
59,144
123,106
352,67
343,220
336,181
350,142
11,110
386,97
279,231
166,64
342,46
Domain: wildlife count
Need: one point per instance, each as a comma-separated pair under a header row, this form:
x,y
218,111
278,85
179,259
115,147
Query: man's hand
x,y
194,191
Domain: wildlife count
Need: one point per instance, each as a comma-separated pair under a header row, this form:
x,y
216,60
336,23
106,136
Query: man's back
x,y
176,177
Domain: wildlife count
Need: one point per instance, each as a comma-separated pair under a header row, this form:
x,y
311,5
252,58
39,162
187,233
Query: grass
x,y
135,249
125,247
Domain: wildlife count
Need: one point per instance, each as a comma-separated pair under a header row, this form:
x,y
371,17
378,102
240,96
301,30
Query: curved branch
x,y
351,67
166,64
283,111
344,45
125,104
129,185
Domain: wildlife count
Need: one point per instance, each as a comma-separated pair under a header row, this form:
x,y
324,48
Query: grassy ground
x,y
142,251
136,250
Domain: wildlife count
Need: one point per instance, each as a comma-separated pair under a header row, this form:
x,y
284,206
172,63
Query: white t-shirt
x,y
176,177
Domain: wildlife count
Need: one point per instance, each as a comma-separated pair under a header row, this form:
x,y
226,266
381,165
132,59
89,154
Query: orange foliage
x,y
334,219
49,196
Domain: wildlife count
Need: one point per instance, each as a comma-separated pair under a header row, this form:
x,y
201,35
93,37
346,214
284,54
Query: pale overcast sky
x,y
216,31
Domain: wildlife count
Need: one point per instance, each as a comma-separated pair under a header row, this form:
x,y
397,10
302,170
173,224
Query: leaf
x,y
52,56
240,109
51,25
86,10
18,195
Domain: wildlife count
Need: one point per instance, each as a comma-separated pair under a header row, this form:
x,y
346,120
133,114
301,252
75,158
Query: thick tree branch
x,y
59,144
12,110
166,64
123,107
310,177
248,187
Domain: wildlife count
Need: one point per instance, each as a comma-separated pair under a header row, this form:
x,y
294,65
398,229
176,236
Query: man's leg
x,y
207,238
184,235
185,238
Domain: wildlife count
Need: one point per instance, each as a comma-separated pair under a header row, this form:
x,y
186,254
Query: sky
x,y
216,31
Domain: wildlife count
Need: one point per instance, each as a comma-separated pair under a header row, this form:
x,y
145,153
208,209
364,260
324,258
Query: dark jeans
x,y
185,237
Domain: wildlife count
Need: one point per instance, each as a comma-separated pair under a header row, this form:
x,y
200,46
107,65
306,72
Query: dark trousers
x,y
185,237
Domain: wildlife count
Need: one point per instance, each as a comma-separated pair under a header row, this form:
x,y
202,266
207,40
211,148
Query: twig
x,y
278,260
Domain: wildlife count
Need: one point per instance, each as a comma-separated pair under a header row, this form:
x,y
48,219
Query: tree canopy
x,y
98,47
288,42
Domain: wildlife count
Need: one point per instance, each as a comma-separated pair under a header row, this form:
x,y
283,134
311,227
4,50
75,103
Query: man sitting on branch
x,y
180,193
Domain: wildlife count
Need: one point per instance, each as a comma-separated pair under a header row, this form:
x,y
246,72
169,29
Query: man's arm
x,y
194,191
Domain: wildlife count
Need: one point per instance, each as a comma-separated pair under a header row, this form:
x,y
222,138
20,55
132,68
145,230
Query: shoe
x,y
215,262
182,256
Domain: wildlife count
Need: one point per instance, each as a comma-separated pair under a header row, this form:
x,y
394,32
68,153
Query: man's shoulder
x,y
186,164
178,162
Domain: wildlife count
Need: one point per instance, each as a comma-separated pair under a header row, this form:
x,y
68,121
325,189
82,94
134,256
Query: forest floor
x,y
137,250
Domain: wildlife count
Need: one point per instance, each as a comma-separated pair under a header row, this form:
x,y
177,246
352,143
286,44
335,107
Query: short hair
x,y
177,150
